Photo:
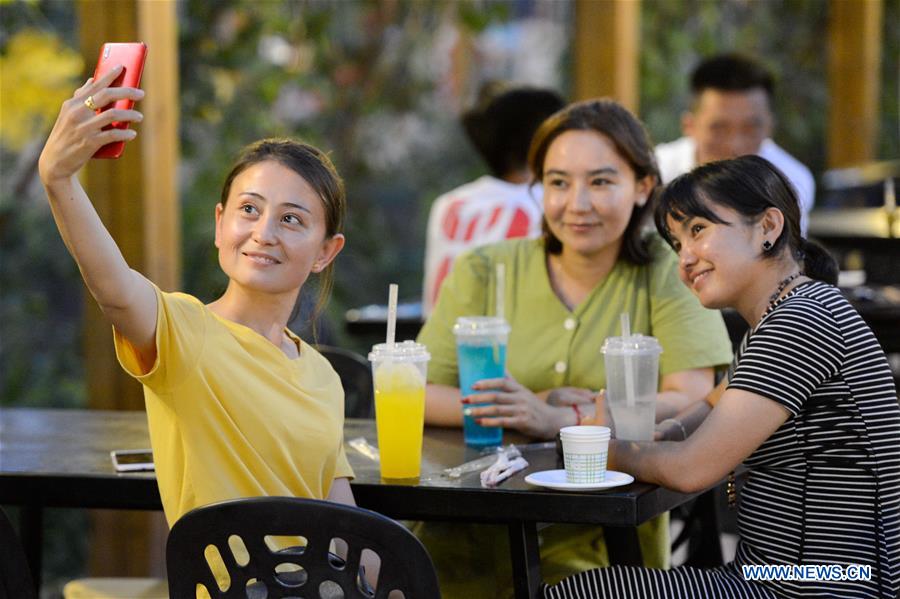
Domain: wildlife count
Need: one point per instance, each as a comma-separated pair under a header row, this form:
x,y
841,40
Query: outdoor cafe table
x,y
60,458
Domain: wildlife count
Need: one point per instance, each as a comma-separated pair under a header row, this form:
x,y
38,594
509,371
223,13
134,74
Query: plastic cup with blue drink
x,y
480,354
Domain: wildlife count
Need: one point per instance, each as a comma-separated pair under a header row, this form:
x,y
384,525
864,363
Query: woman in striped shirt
x,y
808,407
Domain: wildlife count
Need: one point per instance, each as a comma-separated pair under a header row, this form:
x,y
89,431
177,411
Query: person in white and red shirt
x,y
494,207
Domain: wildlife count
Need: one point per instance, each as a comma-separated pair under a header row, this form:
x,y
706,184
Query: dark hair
x,y
315,168
749,185
632,143
503,122
731,72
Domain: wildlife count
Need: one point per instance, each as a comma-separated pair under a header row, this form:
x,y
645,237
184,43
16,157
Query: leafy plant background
x,y
380,86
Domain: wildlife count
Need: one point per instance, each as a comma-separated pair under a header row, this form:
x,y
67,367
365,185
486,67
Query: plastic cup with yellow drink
x,y
399,371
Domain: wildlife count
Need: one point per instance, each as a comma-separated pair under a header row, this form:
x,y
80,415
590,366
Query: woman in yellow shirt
x,y
237,404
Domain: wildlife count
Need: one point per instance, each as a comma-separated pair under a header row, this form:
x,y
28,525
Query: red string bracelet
x,y
577,414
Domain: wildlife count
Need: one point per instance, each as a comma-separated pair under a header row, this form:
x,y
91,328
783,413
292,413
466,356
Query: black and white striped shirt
x,y
825,487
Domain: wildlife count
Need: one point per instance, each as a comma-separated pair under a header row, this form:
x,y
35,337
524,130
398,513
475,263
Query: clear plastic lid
x,y
633,344
480,326
404,351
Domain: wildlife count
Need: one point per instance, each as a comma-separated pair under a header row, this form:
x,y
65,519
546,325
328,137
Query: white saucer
x,y
556,479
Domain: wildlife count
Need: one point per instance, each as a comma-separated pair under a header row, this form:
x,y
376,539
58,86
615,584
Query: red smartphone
x,y
130,55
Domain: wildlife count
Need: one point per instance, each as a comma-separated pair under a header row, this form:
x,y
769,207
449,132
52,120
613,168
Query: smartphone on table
x,y
131,55
132,460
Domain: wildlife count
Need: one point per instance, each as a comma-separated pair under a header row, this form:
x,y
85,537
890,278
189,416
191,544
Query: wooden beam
x,y
114,187
607,36
137,198
158,28
854,80
136,195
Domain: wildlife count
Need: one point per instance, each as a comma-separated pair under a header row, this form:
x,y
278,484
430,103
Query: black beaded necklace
x,y
784,283
730,485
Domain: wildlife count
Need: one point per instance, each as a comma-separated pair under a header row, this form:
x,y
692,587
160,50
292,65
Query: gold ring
x,y
90,103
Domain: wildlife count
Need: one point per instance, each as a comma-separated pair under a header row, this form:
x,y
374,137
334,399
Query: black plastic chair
x,y
15,577
308,569
356,377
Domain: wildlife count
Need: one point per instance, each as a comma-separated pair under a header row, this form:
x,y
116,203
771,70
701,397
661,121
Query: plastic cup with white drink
x,y
632,372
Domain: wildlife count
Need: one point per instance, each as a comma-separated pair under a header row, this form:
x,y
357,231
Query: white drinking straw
x,y
499,286
392,315
890,199
625,321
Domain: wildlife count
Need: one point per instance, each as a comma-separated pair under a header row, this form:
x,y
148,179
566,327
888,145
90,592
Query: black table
x,y
60,458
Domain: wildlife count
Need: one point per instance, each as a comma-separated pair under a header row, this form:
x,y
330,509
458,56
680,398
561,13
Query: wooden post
x,y
854,78
137,198
115,188
158,28
607,35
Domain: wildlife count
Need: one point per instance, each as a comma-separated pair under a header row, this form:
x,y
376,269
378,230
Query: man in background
x,y
731,116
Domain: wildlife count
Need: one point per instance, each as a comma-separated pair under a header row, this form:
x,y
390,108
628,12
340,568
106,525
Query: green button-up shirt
x,y
551,346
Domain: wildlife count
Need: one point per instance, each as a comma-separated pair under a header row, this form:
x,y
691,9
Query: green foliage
x,y
786,35
41,292
41,314
40,289
352,78
477,16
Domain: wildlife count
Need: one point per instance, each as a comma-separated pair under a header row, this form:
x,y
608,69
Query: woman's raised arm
x,y
126,298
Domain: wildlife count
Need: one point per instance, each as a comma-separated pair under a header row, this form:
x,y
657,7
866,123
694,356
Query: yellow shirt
x,y
230,415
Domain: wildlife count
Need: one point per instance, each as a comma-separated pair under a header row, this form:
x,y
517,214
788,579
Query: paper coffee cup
x,y
585,451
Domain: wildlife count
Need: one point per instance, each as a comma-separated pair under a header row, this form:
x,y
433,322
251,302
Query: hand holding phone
x,y
131,56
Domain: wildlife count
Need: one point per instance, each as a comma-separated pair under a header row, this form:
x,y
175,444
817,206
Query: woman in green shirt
x,y
563,296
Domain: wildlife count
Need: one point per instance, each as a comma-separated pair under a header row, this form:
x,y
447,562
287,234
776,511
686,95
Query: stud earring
x,y
767,245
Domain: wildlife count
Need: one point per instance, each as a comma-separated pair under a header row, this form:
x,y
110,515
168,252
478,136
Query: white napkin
x,y
503,468
365,448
